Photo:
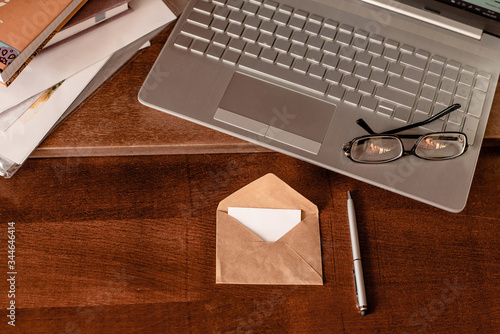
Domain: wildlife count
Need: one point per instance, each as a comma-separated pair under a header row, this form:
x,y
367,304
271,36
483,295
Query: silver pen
x,y
359,282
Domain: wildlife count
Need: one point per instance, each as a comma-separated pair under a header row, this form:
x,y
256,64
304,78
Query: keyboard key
x,y
235,4
200,19
282,45
403,85
385,108
250,8
234,30
428,93
291,77
215,51
312,28
328,33
476,103
317,71
447,86
336,92
199,46
346,53
444,98
204,7
314,56
269,55
391,54
265,13
451,73
197,32
316,18
413,74
330,61
236,17
333,76
412,60
298,50
346,66
463,91
366,87
219,25
431,80
362,71
396,69
369,103
221,12
456,117
331,47
281,18
470,128
297,23
466,78
284,32
268,27
299,37
352,97
363,58
252,22
183,41
344,38
482,83
302,14
250,35
284,60
253,50
395,96
435,68
424,106
315,42
378,77
350,82
379,63
402,113
375,49
221,39
237,44
230,57
300,65
266,40
331,23
271,4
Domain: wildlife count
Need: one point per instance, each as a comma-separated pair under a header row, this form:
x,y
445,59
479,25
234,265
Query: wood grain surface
x,y
127,245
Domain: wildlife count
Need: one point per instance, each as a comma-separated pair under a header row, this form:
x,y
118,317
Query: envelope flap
x,y
268,192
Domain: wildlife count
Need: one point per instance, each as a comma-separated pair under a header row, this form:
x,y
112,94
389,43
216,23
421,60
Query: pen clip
x,y
355,287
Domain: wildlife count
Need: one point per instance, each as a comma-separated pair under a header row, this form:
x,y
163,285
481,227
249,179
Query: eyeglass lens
x,y
441,146
376,149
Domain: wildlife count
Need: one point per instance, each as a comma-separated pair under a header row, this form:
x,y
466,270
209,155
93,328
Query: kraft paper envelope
x,y
243,258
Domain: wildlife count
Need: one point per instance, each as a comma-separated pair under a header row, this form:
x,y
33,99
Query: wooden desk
x,y
123,243
127,245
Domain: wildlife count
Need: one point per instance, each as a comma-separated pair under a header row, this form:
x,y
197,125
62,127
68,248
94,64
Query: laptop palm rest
x,y
275,112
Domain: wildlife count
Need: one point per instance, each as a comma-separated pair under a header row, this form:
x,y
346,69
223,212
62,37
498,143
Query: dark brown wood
x,y
113,122
127,245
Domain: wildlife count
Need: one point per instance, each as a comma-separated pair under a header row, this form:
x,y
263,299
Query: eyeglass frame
x,y
393,134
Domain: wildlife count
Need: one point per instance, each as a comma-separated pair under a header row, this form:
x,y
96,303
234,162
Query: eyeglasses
x,y
387,146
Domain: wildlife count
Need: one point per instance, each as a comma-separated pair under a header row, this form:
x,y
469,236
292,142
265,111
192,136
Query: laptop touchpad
x,y
275,112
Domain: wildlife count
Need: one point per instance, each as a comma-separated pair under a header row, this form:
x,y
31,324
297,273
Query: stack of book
x,y
55,53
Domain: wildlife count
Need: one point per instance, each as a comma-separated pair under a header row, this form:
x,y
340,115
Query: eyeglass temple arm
x,y
440,114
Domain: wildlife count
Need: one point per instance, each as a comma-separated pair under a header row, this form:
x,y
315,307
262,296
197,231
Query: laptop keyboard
x,y
333,59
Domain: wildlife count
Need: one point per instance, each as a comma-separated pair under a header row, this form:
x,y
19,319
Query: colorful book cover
x,y
25,25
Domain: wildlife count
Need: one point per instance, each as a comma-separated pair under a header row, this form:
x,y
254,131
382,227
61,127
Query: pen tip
x,y
364,312
348,195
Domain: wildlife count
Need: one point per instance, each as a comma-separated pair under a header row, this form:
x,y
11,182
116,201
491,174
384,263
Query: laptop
x,y
295,76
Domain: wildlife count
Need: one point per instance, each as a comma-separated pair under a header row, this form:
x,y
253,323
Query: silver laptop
x,y
296,76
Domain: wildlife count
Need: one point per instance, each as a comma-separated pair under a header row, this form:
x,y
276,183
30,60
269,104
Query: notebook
x,y
294,76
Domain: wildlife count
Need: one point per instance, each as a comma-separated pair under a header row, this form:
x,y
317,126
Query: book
x,y
90,16
25,27
86,49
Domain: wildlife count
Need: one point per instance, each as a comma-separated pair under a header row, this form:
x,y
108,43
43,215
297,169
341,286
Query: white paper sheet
x,y
268,224
62,61
22,137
